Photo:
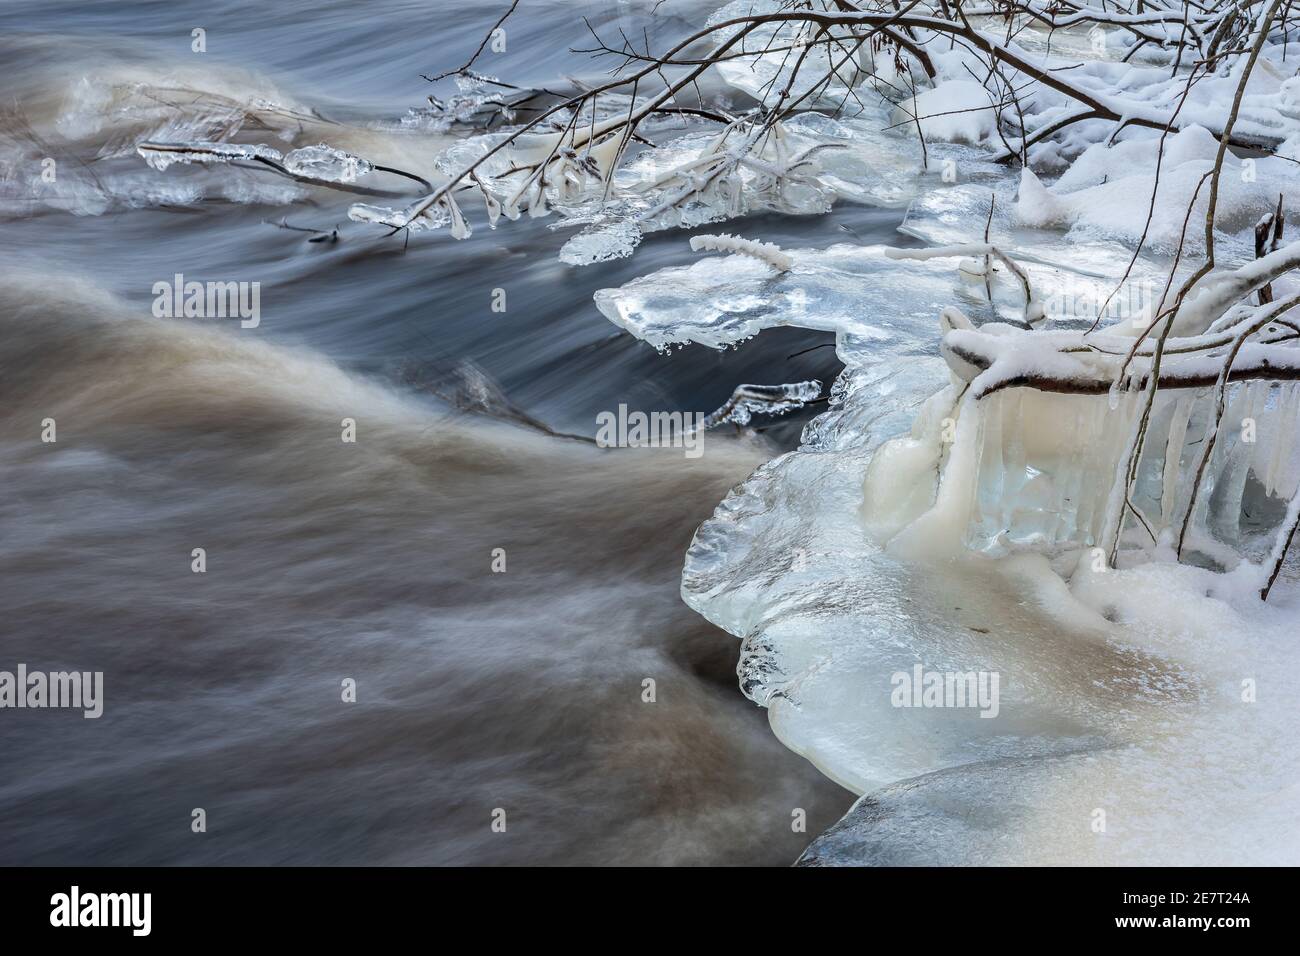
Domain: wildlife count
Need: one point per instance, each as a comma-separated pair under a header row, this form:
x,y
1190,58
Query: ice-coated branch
x,y
567,153
1216,292
768,252
749,400
311,165
1006,357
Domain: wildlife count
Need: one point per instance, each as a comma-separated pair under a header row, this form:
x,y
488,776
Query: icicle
x,y
986,515
493,209
1174,456
1283,439
1200,507
1268,411
1227,500
537,202
460,229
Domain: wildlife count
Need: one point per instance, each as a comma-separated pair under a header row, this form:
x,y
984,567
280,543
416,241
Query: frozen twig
x,y
768,252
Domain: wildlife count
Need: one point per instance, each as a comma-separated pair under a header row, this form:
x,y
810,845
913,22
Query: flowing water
x,y
326,560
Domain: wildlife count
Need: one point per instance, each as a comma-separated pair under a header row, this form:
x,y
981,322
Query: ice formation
x,y
750,400
763,251
321,163
617,239
104,118
326,163
161,156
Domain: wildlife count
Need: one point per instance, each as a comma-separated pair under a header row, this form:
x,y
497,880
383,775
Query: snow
x,y
1108,191
1197,771
958,111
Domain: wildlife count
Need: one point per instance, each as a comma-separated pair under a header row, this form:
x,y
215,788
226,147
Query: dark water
x,y
326,560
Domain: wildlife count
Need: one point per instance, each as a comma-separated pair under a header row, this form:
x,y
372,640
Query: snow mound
x,y
958,111
1107,192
